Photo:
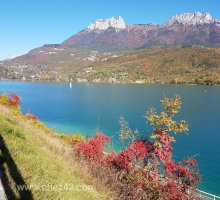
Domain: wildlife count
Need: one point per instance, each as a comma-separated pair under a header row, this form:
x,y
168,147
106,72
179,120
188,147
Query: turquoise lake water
x,y
87,108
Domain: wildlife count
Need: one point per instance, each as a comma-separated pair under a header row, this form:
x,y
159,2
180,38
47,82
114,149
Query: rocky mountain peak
x,y
182,30
104,24
192,18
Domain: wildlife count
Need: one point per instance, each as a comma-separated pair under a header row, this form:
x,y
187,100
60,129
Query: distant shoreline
x,y
107,83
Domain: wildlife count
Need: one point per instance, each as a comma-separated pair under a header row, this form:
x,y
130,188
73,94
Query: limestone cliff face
x,y
193,19
181,30
103,24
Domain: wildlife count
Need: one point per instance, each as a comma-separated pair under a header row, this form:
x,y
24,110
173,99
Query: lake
x,y
85,108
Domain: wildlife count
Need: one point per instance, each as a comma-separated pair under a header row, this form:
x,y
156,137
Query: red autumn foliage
x,y
146,166
122,160
29,116
109,159
93,149
155,164
138,150
14,100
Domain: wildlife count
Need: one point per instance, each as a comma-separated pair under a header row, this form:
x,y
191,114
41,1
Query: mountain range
x,y
182,30
185,46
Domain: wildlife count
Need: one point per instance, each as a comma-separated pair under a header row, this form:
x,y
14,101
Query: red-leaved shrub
x,y
14,100
146,166
30,117
93,148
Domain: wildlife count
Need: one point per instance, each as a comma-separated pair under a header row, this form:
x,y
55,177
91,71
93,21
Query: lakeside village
x,y
44,73
83,75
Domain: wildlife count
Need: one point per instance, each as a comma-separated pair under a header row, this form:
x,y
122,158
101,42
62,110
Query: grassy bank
x,y
29,156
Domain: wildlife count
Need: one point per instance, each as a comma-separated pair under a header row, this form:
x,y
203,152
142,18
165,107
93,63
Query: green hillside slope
x,y
41,161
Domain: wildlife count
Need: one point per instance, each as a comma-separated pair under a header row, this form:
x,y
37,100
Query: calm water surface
x,y
87,108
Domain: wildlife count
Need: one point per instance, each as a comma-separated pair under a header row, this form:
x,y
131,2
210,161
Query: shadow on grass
x,y
14,174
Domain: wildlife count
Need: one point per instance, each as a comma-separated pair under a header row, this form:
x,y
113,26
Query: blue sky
x,y
26,24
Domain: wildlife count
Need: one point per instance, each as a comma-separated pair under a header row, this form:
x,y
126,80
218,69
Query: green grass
x,y
32,157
